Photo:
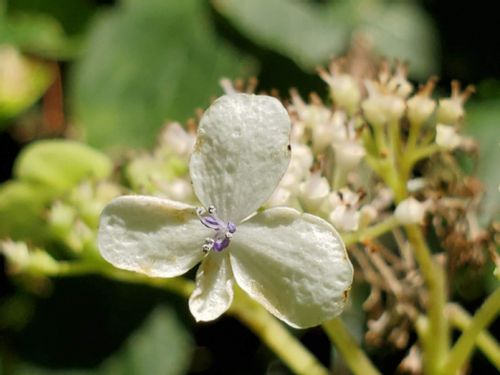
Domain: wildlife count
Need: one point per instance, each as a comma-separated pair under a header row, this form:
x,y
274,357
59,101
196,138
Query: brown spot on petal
x,y
346,294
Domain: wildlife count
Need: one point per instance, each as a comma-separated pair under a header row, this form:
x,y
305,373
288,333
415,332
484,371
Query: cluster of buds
x,y
164,172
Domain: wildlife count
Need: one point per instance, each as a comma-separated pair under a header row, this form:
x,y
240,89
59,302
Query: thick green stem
x,y
484,341
437,341
353,355
462,349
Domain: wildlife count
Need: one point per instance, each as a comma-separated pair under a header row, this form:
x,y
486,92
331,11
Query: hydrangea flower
x,y
294,264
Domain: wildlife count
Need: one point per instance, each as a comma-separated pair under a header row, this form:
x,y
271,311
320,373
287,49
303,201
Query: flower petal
x,y
240,154
294,264
213,293
154,236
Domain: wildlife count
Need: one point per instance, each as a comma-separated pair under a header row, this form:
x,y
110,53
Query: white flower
x,y
447,137
294,264
345,214
410,211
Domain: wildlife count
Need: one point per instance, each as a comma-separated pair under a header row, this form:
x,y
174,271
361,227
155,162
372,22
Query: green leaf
x,y
22,81
310,34
403,31
72,18
295,29
60,164
161,346
38,34
21,207
483,120
148,62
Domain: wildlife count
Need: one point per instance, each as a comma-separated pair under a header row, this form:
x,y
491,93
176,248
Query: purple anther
x,y
220,245
223,231
231,227
212,222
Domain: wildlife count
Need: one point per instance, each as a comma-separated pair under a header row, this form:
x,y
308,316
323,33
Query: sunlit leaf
x,y
60,164
22,81
147,62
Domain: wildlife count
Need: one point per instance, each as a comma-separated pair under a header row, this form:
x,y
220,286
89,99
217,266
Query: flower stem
x,y
462,349
435,347
484,341
353,355
275,336
370,232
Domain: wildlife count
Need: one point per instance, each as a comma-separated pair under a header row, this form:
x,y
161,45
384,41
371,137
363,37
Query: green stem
x,y
423,153
370,232
437,341
484,341
413,137
462,349
353,355
275,336
266,327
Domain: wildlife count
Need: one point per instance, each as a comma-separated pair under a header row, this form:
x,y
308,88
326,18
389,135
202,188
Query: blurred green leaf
x,y
60,164
148,62
292,28
483,120
72,18
161,346
21,206
22,81
403,31
310,34
39,34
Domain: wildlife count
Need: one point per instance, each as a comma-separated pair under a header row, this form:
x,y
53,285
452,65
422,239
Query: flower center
x,y
223,231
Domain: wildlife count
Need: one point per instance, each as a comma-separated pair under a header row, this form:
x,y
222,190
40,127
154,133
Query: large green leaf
x,y
310,34
161,346
483,120
147,62
60,164
295,29
403,31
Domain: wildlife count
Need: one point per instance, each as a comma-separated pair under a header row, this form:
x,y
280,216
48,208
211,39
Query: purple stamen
x,y
212,222
231,227
223,231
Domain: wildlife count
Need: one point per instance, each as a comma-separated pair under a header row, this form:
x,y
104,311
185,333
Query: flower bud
x,y
420,108
410,211
450,111
314,191
345,92
348,155
345,215
447,137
